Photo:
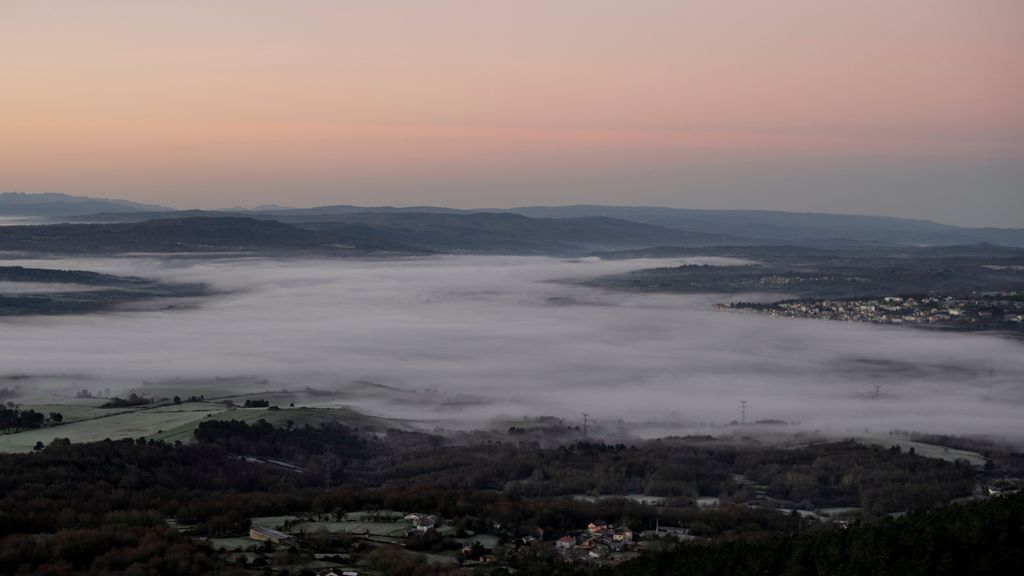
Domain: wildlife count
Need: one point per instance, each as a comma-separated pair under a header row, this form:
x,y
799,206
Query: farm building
x,y
422,522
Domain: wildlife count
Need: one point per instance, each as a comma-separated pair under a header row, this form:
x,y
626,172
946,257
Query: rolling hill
x,y
542,229
390,232
55,205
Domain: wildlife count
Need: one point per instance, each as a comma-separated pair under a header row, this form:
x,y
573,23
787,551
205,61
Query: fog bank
x,y
482,338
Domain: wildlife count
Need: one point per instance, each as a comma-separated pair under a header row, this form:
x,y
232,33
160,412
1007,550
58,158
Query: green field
x,y
275,522
76,412
233,544
113,424
84,421
928,450
388,529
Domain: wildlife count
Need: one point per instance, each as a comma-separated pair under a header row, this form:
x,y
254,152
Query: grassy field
x,y
275,522
114,424
928,450
84,421
389,529
75,412
183,431
233,544
299,416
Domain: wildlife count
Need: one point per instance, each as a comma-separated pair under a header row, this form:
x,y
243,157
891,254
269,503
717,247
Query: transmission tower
x,y
586,418
743,411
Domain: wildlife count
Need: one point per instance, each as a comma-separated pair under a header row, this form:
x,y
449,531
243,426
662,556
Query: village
x,y
294,544
605,544
1001,311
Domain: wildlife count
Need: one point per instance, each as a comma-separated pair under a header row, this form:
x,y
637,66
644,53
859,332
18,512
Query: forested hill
x,y
698,227
401,232
54,205
47,275
514,233
795,227
188,235
981,538
31,291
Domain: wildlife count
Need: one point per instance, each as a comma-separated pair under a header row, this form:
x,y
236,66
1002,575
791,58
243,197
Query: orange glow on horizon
x,y
128,97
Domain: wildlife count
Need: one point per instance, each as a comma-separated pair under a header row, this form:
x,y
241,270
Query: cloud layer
x,y
481,338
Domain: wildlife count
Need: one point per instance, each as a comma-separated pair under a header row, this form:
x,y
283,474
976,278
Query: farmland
x,y
85,421
98,424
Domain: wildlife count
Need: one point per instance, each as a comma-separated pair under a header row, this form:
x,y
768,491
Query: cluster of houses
x,y
422,522
600,542
994,311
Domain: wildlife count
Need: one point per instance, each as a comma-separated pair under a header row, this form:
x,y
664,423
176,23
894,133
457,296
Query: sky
x,y
474,340
900,107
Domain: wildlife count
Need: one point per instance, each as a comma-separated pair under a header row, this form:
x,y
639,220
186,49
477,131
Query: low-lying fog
x,y
490,337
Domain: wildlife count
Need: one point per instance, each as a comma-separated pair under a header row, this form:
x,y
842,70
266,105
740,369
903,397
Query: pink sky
x,y
905,107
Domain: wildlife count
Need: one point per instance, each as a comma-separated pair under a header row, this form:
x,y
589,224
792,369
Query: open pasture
x,y
144,422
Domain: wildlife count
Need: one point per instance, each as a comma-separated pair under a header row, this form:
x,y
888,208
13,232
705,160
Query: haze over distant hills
x,y
52,204
535,229
790,226
403,233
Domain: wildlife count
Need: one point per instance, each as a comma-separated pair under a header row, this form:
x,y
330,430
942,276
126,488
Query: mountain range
x,y
566,230
52,204
402,233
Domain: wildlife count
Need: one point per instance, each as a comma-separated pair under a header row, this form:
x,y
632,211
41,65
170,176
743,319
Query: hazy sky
x,y
904,107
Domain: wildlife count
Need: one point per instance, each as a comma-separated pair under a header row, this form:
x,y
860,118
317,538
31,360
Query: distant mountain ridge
x,y
585,226
405,233
791,226
192,235
767,226
53,204
515,233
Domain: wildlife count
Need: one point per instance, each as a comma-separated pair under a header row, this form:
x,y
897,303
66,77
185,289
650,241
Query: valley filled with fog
x,y
476,341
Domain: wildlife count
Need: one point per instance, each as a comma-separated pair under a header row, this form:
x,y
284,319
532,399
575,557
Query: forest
x,y
79,291
982,538
91,507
